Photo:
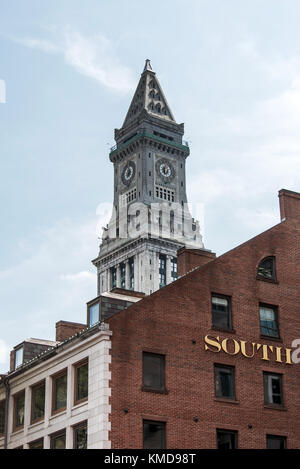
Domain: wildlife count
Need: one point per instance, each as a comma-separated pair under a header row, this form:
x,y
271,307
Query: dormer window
x,y
266,269
19,357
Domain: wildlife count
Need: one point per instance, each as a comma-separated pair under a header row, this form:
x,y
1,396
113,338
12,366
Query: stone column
x,y
156,271
168,269
127,275
118,267
107,277
136,273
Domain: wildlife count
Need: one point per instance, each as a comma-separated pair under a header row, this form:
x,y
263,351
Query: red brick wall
x,y
65,330
188,259
170,320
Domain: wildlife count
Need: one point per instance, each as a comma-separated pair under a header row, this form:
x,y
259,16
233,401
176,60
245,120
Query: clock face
x,y
165,169
128,173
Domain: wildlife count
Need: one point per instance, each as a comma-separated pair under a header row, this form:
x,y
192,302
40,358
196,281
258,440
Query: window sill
x,y
155,391
57,413
275,407
227,401
77,405
18,431
268,280
223,329
268,337
36,423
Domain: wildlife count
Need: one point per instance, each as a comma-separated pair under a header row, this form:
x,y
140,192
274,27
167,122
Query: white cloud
x,y
93,57
53,280
84,276
4,353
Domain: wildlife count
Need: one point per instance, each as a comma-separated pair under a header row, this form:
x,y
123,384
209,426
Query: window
x,y
128,197
2,417
266,269
81,382
174,273
123,275
153,371
58,441
226,439
164,193
80,436
221,312
154,434
59,401
113,274
268,320
273,389
19,355
276,442
38,402
93,314
131,274
39,444
224,381
162,270
19,410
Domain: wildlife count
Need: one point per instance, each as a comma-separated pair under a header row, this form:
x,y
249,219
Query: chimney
x,y
289,202
189,259
65,330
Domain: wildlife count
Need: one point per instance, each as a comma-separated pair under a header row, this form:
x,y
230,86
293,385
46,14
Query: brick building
x,y
208,360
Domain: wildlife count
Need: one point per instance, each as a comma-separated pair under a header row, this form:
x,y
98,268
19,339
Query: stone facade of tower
x,y
150,219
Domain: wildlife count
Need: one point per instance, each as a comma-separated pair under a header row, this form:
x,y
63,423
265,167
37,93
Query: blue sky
x,y
230,70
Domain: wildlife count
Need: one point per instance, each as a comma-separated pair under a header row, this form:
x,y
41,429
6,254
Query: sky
x,y
230,71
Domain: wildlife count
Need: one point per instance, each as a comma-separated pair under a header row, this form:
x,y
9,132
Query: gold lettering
x,y
236,347
243,349
287,355
265,351
213,342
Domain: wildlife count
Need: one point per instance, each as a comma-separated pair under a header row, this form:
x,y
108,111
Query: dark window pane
x,y
224,382
226,439
273,389
37,445
80,437
266,269
82,382
2,417
59,441
154,434
268,320
38,402
123,275
131,273
276,442
154,371
221,312
19,410
60,392
113,277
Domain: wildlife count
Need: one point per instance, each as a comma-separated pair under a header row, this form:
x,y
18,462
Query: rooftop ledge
x,y
184,146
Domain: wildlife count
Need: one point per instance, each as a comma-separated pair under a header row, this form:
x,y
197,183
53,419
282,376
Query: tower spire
x,y
148,66
149,97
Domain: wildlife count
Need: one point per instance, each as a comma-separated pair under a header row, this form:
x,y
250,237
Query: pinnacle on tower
x,y
149,97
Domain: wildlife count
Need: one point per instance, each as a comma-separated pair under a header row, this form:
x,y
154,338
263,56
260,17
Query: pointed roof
x,y
149,97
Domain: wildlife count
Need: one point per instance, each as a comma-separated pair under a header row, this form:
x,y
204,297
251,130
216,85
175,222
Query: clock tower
x,y
150,219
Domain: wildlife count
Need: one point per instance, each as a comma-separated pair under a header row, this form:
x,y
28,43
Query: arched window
x,y
266,269
158,108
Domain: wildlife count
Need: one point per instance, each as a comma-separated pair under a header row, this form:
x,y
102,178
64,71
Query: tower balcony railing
x,y
143,133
